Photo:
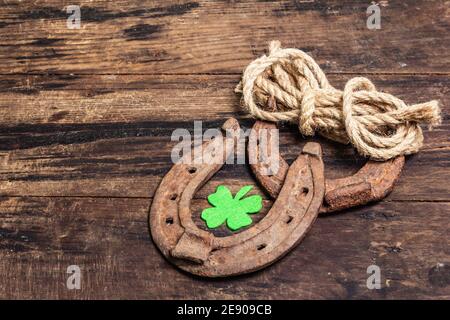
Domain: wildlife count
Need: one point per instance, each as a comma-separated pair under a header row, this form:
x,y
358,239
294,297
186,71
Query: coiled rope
x,y
377,124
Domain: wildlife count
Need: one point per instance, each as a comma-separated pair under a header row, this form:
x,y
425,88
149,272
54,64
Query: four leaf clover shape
x,y
232,210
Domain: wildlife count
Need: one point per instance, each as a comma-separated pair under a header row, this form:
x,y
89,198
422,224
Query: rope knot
x,y
377,124
308,106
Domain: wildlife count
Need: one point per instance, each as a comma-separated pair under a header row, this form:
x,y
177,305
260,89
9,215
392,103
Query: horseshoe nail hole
x,y
303,192
169,220
192,170
173,197
261,246
289,219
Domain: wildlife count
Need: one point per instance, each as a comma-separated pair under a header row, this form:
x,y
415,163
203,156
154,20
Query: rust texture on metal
x,y
282,228
372,182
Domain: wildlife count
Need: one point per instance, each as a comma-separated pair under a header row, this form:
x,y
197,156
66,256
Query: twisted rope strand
x,y
377,124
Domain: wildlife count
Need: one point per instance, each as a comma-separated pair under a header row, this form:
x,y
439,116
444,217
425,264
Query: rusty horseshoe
x,y
372,182
282,228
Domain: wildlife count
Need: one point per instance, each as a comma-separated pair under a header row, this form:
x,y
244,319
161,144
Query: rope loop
x,y
377,124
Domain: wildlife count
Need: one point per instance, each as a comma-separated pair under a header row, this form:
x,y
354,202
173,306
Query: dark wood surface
x,y
86,119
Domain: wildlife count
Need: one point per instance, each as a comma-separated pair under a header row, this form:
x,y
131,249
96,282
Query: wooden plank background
x,y
86,119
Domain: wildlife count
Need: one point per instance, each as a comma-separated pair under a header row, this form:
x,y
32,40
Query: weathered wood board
x,y
108,238
85,137
148,36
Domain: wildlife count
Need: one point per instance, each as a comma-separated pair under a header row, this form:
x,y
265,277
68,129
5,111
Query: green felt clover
x,y
232,210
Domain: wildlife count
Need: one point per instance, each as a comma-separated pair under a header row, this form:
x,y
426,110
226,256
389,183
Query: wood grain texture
x,y
70,142
188,37
85,138
109,240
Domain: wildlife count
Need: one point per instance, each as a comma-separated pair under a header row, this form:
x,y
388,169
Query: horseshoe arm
x,y
374,181
182,181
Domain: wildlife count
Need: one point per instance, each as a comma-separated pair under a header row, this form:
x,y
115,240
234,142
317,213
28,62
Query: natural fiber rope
x,y
378,124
